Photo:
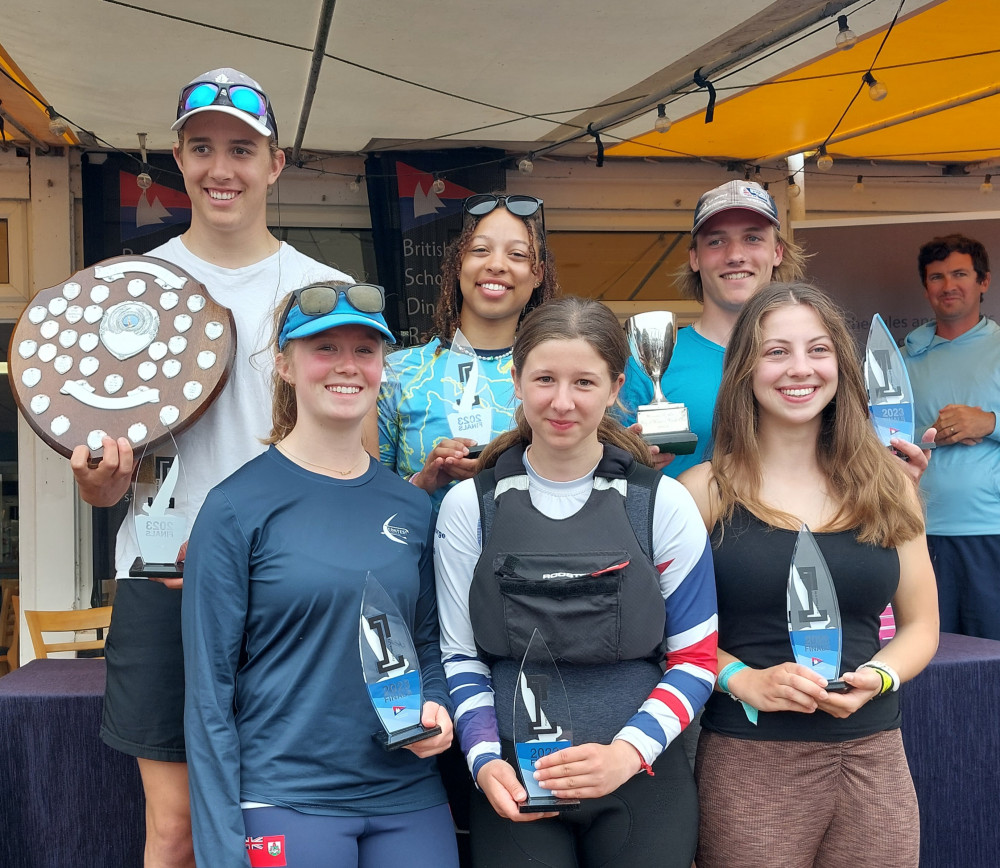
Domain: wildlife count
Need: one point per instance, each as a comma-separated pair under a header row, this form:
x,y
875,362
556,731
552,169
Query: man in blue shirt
x,y
954,365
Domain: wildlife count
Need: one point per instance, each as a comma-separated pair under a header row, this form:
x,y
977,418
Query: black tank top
x,y
751,574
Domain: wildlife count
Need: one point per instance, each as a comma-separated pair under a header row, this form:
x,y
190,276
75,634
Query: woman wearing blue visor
x,y
278,719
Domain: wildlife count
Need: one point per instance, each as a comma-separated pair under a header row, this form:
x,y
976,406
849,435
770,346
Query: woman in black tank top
x,y
793,773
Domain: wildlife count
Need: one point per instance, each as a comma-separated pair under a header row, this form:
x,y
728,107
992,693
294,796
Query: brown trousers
x,y
786,804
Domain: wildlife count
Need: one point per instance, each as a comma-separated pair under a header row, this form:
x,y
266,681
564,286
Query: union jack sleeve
x,y
683,556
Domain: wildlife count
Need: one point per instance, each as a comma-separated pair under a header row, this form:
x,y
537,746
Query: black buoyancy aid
x,y
586,582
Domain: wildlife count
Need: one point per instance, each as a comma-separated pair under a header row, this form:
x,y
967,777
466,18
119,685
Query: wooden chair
x,y
60,622
10,629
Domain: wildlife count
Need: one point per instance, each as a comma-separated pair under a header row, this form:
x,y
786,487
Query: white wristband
x,y
887,669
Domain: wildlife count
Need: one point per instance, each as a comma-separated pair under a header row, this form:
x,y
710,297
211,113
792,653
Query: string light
x,y
846,38
438,185
859,185
794,189
354,185
987,185
876,90
824,162
663,123
57,123
526,167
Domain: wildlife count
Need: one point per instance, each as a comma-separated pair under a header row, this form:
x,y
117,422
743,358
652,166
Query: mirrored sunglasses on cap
x,y
247,99
321,299
519,205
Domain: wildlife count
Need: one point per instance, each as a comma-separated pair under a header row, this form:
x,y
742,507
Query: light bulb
x,y
354,184
824,162
526,167
846,38
793,189
437,186
876,90
859,185
663,123
987,185
57,123
143,181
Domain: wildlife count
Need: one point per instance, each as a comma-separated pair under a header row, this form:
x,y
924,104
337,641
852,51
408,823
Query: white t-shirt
x,y
230,431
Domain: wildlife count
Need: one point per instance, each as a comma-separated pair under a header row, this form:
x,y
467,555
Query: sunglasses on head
x,y
321,299
240,96
517,204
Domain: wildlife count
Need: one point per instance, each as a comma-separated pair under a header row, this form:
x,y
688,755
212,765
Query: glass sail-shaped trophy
x,y
890,396
470,417
391,671
813,612
159,515
541,723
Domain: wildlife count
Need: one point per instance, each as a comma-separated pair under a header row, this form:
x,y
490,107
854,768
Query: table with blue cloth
x,y
70,800
951,731
67,799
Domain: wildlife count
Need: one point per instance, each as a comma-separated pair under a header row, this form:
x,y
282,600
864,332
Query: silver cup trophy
x,y
651,336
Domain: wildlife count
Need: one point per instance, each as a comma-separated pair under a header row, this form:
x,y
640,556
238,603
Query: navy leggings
x,y
648,822
417,839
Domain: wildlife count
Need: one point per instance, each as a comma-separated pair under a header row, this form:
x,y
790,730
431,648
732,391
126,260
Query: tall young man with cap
x,y
736,249
227,153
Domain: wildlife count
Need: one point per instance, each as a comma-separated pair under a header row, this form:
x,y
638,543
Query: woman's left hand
x,y
587,771
433,715
865,685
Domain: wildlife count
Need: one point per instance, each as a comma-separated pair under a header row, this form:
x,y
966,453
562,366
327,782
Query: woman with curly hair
x,y
498,269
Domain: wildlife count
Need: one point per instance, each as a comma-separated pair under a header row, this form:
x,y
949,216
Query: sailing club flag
x,y
143,212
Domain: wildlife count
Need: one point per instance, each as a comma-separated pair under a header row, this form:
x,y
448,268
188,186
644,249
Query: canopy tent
x,y
943,104
524,77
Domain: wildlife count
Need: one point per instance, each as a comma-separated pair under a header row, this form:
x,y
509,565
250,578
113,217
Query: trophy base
x,y
542,805
392,741
674,442
140,569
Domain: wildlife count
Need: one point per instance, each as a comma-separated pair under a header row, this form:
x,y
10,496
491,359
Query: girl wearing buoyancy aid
x,y
633,634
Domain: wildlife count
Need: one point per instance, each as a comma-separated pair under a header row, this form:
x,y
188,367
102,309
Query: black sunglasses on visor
x,y
239,96
321,299
519,205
